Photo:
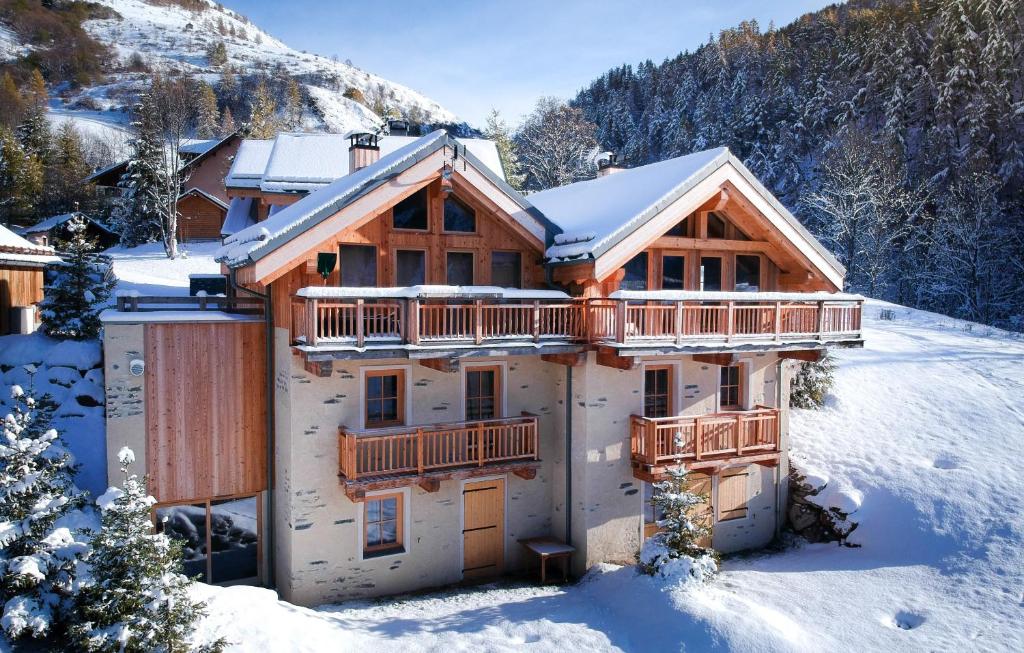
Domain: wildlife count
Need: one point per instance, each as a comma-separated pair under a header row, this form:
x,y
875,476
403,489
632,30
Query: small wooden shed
x,y
21,277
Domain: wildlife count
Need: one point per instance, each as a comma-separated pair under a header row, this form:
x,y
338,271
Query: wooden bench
x,y
546,548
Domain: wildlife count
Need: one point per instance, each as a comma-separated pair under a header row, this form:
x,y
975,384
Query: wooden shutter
x,y
701,484
732,494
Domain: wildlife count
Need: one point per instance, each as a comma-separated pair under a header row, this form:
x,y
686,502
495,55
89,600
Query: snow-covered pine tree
x,y
139,599
497,130
136,214
811,383
34,130
263,121
77,288
207,115
37,559
675,551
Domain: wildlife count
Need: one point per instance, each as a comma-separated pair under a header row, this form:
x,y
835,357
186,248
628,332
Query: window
x,y
716,226
711,273
358,266
730,388
507,269
658,391
382,525
458,217
483,392
385,398
410,267
411,213
748,273
460,269
220,538
732,494
681,230
672,268
635,277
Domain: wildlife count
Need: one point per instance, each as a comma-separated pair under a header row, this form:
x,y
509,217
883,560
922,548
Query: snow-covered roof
x,y
202,193
51,222
303,162
239,216
597,214
15,249
197,145
249,164
430,291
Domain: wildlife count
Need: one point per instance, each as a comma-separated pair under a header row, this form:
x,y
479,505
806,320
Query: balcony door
x,y
658,391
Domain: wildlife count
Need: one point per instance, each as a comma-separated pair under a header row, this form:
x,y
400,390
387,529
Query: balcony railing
x,y
319,322
674,440
415,450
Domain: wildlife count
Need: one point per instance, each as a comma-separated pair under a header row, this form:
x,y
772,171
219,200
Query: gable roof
x,y
58,220
240,216
196,152
598,214
298,162
16,250
259,240
207,196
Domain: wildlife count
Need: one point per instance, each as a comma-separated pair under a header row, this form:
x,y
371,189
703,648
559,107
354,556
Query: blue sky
x,y
471,56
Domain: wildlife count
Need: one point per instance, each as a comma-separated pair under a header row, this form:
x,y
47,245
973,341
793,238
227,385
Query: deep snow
x,y
926,424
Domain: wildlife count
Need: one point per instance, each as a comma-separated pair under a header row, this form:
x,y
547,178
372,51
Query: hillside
x,y
146,35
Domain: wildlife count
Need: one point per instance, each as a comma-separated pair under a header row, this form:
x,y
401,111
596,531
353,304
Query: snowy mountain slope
x,y
926,423
171,36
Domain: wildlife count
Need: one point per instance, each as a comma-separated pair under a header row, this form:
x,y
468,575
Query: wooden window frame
x,y
398,546
408,230
208,503
499,389
472,256
394,262
740,387
742,511
669,391
400,399
468,205
659,273
522,264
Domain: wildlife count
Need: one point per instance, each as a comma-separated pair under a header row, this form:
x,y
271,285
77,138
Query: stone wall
x,y
125,397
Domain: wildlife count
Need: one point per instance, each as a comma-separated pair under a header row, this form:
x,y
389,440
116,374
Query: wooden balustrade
x,y
671,440
330,321
414,450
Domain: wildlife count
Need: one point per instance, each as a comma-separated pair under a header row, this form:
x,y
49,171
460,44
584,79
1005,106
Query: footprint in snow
x,y
906,620
946,461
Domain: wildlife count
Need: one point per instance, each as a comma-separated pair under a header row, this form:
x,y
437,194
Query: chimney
x,y
398,127
362,150
608,164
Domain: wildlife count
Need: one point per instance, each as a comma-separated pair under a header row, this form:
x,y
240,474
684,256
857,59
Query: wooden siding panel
x,y
205,410
18,287
200,219
732,494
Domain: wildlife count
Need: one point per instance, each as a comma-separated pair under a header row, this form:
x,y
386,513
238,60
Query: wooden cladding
x,y
671,440
732,494
205,409
18,287
420,449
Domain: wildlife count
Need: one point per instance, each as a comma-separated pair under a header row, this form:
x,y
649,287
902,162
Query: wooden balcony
x,y
336,324
703,441
427,454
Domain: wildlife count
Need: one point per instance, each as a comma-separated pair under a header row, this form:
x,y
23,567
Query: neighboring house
x,y
453,367
21,280
54,229
203,202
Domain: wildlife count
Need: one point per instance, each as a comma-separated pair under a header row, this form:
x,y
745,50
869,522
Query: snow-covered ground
x,y
926,423
146,270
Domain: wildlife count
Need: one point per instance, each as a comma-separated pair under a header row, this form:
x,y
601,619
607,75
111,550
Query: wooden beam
x,y
527,473
430,484
569,360
808,355
794,278
576,272
716,359
676,242
446,365
321,369
611,359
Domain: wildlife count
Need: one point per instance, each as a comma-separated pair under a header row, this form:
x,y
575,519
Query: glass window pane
x,y
372,511
374,387
679,230
506,269
411,213
389,532
458,216
460,269
358,265
487,383
233,539
473,384
672,272
411,268
389,410
389,508
748,273
186,524
711,273
716,226
389,385
636,273
373,534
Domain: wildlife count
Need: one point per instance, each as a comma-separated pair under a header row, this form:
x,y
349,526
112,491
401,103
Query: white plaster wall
x,y
125,398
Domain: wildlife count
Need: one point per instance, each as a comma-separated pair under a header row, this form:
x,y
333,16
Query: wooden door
x,y
483,528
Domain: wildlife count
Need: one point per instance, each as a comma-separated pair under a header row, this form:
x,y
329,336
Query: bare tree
x,y
175,106
554,145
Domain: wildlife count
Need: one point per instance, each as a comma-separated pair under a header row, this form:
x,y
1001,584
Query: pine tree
x,y
293,105
68,167
136,214
497,130
263,113
227,122
77,289
208,117
34,130
675,551
139,600
21,176
812,382
217,54
37,558
10,102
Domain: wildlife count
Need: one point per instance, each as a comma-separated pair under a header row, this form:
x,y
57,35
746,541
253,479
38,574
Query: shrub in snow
x,y
139,599
812,383
37,560
77,289
819,510
674,552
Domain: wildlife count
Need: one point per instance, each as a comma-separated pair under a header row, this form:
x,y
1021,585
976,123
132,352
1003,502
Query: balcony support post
x,y
698,437
821,320
480,443
729,326
620,322
778,321
739,435
419,451
478,321
679,323
412,329
535,314
360,331
313,323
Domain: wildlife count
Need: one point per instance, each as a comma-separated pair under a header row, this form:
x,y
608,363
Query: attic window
x,y
635,277
716,226
458,217
411,213
680,230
